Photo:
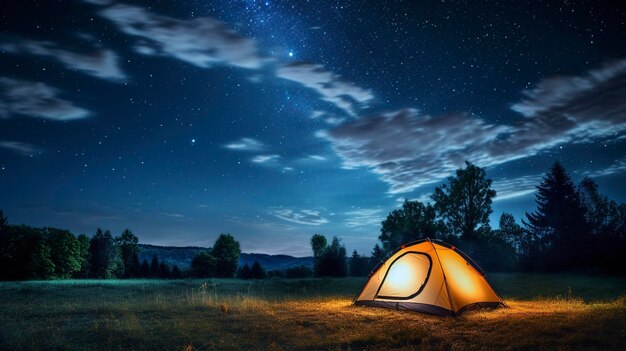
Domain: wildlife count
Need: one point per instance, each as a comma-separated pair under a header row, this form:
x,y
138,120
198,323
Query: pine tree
x,y
145,269
257,271
557,230
244,272
377,256
154,267
176,273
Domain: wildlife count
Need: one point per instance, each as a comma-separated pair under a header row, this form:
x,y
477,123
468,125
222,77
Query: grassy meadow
x,y
547,312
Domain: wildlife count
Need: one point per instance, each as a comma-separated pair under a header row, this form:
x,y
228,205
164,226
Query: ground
x,y
547,312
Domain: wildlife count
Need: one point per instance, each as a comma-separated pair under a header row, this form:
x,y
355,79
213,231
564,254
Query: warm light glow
x,y
400,276
405,276
462,276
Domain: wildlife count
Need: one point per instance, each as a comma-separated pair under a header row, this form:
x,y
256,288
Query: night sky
x,y
275,120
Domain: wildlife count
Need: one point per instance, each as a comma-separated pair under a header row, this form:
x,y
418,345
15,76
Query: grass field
x,y
547,312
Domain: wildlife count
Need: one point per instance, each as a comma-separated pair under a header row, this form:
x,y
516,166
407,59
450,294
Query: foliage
x,y
465,202
244,272
359,265
127,243
298,272
414,221
377,256
257,271
104,258
226,251
332,261
203,265
557,229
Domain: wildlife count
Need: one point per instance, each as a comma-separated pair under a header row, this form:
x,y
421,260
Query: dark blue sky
x,y
275,120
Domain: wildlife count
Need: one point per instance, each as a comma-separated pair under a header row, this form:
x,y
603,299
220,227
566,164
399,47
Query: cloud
x,y
264,158
308,217
344,95
35,99
510,188
203,42
245,144
317,157
617,167
576,109
408,149
364,217
99,63
20,148
99,2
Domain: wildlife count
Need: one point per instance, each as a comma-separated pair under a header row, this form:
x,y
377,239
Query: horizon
x,y
274,121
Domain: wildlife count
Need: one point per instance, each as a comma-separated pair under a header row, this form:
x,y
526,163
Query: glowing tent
x,y
428,276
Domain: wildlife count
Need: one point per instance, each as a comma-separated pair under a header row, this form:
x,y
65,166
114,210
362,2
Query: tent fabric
x,y
429,277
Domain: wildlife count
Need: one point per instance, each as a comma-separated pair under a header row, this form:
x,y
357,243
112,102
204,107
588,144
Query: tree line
x,y
573,228
51,253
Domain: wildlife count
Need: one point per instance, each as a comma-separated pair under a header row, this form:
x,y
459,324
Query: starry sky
x,y
276,120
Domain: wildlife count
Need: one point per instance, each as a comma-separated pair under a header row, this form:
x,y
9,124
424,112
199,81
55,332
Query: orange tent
x,y
431,277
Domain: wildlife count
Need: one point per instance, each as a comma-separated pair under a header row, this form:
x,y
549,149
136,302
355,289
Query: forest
x,y
574,228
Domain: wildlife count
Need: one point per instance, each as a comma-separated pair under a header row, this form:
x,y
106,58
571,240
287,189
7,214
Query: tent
x,y
430,277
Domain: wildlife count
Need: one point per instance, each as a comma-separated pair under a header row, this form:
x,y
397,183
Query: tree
x,y
41,265
176,273
65,252
377,256
359,265
257,271
164,270
301,271
606,241
412,222
226,250
509,231
318,245
129,251
104,260
557,229
83,254
203,265
465,202
154,267
3,221
145,269
332,262
244,272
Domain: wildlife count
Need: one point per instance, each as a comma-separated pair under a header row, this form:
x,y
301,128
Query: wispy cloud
x,y
20,148
203,42
317,157
307,217
100,63
364,217
245,144
343,94
35,99
264,158
618,167
510,188
408,149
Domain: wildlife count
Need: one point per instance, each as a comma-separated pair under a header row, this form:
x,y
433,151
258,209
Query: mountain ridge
x,y
183,255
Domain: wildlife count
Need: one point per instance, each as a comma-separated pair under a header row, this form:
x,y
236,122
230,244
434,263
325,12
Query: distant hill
x,y
182,257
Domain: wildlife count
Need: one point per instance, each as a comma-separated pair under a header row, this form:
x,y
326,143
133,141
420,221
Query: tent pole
x,y
445,280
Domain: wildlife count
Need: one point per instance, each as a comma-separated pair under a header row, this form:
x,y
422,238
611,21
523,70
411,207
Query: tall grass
x,y
547,311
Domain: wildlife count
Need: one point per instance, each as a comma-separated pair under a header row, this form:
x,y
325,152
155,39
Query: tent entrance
x,y
406,277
